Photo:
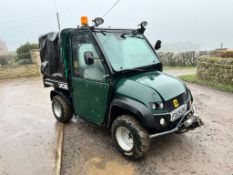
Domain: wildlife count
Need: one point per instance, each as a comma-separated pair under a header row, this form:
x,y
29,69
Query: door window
x,y
82,43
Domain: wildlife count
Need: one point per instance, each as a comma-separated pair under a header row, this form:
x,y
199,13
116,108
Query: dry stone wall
x,y
215,69
180,59
29,70
15,70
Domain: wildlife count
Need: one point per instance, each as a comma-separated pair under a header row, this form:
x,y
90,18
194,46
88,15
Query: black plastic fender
x,y
140,111
61,92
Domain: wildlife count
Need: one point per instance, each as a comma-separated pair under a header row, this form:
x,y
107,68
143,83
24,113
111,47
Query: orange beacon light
x,y
84,20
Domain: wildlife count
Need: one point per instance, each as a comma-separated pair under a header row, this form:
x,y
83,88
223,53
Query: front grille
x,y
183,98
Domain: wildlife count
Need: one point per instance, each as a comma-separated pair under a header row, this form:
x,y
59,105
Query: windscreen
x,y
126,50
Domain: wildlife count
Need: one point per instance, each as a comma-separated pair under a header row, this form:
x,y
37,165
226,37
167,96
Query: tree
x,y
23,52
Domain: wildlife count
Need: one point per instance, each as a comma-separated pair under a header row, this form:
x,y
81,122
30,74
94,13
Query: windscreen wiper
x,y
156,66
103,32
133,70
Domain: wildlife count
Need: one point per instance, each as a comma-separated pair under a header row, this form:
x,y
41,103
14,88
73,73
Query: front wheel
x,y
131,138
61,109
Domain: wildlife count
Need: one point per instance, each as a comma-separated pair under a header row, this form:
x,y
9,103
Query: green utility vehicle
x,y
113,78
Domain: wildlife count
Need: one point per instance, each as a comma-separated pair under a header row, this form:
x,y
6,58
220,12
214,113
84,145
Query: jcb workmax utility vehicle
x,y
114,78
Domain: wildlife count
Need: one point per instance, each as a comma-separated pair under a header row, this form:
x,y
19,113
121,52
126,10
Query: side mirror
x,y
88,57
158,45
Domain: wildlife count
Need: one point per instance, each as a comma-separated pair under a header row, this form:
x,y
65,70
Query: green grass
x,y
219,86
179,68
29,70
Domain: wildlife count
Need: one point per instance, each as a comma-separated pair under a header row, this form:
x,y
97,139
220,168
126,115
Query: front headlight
x,y
155,105
161,105
162,121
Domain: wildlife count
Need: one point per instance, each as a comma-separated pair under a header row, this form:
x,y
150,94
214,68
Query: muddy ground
x,y
87,149
28,131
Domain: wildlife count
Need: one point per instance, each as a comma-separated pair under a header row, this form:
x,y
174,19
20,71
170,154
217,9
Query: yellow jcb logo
x,y
175,103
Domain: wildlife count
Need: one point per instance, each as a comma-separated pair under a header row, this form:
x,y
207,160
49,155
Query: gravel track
x,y
88,150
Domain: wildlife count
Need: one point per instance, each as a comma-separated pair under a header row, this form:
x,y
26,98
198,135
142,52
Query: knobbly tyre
x,y
114,78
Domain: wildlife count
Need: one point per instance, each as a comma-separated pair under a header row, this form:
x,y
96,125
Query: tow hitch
x,y
191,122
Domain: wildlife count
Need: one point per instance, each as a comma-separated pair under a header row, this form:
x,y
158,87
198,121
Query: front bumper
x,y
189,120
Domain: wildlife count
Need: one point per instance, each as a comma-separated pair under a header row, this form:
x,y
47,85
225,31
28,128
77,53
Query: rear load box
x,y
52,65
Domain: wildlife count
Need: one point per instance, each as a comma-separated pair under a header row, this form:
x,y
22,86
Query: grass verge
x,y
179,68
219,86
19,71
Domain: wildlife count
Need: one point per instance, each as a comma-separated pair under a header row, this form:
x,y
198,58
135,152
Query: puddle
x,y
28,135
96,166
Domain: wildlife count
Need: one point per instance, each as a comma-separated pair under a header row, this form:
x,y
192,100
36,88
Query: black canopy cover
x,y
51,60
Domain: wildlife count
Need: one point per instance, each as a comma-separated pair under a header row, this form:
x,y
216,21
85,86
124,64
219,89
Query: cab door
x,y
90,84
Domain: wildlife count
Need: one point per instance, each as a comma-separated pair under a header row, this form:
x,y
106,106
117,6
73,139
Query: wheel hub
x,y
57,109
124,138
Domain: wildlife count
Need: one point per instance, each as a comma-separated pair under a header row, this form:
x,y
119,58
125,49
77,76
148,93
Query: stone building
x,y
3,47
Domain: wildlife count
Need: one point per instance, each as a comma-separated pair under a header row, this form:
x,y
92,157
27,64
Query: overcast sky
x,y
206,23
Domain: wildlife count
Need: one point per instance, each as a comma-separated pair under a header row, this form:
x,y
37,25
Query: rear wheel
x,y
131,139
61,109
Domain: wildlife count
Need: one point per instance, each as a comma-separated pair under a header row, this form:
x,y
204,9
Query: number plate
x,y
177,113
